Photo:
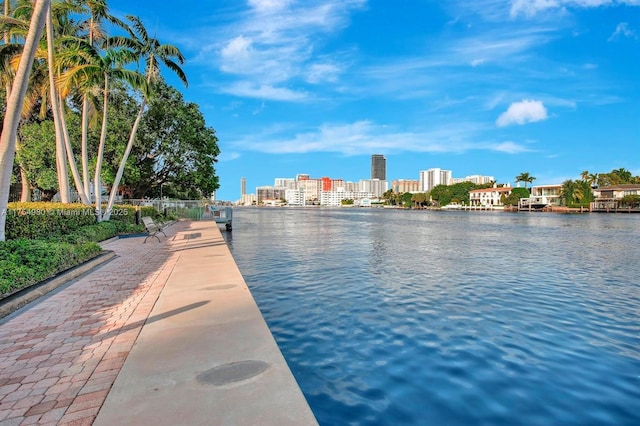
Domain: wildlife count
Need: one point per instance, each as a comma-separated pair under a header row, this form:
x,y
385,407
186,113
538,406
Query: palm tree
x,y
526,178
97,10
14,105
585,175
7,51
152,53
566,191
90,70
41,90
622,176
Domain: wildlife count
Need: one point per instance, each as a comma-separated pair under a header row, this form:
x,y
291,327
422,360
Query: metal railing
x,y
179,209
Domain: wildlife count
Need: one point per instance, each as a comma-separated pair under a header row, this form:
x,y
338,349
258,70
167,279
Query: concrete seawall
x,y
205,355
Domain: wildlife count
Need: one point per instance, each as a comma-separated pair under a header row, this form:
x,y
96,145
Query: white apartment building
x,y
248,199
348,187
434,177
295,197
374,186
334,198
477,179
286,183
311,188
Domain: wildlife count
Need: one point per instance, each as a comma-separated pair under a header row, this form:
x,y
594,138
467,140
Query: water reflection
x,y
408,317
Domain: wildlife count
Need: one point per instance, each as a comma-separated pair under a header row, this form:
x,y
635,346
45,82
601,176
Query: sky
x,y
489,87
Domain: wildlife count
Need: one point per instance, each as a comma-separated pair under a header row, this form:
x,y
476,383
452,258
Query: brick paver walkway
x,y
59,358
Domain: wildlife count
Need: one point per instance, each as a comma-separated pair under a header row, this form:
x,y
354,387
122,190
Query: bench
x,y
152,228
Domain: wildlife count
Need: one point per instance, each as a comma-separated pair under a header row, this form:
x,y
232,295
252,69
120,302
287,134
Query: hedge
x,y
46,220
26,262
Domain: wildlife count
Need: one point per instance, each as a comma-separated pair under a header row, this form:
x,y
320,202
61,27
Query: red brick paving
x,y
60,357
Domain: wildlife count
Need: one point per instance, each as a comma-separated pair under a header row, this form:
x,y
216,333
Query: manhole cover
x,y
220,287
232,372
192,236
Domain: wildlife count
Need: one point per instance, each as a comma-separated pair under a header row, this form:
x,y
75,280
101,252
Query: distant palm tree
x,y
526,178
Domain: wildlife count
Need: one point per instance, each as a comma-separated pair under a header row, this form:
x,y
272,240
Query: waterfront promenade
x,y
164,333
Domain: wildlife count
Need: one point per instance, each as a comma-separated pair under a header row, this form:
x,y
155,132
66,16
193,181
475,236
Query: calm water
x,y
457,318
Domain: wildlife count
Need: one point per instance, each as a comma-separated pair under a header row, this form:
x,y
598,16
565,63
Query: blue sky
x,y
491,87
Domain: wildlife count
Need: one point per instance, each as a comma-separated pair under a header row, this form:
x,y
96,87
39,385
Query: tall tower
x,y
378,167
243,186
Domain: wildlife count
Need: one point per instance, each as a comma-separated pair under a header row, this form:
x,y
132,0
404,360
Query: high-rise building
x,y
400,186
434,177
243,186
378,167
375,187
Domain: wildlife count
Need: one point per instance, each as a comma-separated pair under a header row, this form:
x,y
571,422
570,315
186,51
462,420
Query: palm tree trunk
x,y
85,150
14,107
71,158
61,159
123,162
97,187
25,194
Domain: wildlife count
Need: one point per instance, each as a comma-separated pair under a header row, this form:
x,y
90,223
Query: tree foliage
x,y
37,156
459,192
175,146
616,177
513,198
576,193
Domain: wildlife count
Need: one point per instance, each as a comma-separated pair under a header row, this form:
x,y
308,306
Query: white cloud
x,y
228,156
237,54
532,7
263,91
319,73
273,43
367,136
623,30
510,148
268,5
527,111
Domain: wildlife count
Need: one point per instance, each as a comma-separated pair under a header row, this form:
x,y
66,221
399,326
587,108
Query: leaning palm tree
x,y
8,51
14,105
152,53
45,91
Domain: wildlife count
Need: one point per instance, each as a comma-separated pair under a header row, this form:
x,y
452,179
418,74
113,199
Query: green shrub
x,y
39,220
26,262
92,233
46,220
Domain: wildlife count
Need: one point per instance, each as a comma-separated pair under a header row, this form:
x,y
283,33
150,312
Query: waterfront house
x,y
610,198
488,197
541,196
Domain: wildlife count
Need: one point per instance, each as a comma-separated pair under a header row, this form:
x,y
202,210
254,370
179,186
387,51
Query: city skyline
x,y
498,86
304,182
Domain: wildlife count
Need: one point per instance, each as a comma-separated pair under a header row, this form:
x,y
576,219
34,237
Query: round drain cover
x,y
233,372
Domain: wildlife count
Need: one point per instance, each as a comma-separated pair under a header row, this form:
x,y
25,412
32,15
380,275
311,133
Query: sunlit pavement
x,y
60,356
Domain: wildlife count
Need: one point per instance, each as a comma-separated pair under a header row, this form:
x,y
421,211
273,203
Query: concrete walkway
x,y
165,333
